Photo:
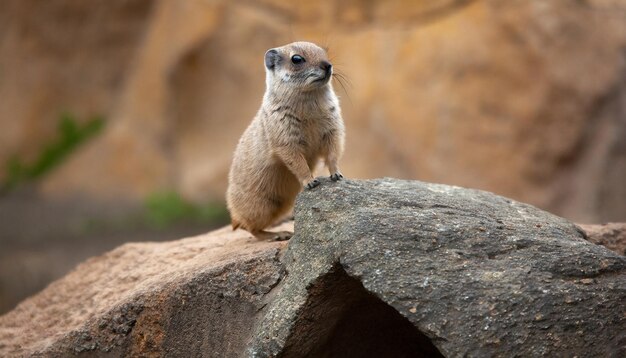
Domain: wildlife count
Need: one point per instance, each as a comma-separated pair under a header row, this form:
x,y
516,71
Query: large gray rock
x,y
475,273
381,268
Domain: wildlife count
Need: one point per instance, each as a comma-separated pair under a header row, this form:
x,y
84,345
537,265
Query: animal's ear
x,y
271,58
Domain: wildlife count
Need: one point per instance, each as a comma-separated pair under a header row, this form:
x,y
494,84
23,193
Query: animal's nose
x,y
326,66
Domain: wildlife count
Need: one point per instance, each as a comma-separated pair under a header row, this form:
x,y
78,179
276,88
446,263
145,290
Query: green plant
x,y
71,135
166,208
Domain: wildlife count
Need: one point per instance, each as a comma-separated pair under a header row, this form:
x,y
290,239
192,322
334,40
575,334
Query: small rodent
x,y
298,124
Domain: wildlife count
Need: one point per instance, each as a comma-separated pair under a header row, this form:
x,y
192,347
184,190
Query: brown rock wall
x,y
523,98
59,56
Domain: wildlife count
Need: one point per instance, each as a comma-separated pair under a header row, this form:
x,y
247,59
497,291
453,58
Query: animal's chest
x,y
314,131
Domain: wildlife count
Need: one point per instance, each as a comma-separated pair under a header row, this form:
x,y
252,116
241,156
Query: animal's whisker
x,y
341,79
344,78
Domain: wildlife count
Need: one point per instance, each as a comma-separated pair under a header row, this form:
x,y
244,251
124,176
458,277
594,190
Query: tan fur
x,y
299,122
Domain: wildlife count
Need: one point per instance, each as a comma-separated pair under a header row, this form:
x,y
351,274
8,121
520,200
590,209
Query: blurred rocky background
x,y
118,118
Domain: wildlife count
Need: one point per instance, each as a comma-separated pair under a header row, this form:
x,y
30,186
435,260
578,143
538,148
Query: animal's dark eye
x,y
297,59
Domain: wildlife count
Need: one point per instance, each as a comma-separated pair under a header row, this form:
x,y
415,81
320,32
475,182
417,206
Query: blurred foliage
x,y
71,135
163,209
160,211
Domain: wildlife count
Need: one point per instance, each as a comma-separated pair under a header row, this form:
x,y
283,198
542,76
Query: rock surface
x,y
478,92
478,274
378,268
150,300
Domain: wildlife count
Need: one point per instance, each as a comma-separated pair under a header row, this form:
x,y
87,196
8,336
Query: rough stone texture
x,y
384,268
150,299
522,98
478,274
611,236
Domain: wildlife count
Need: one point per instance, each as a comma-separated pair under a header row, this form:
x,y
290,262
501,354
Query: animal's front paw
x,y
312,184
337,176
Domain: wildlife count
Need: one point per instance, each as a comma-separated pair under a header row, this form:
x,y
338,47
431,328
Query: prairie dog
x,y
298,124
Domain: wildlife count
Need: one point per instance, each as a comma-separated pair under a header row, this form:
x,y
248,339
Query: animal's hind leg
x,y
277,209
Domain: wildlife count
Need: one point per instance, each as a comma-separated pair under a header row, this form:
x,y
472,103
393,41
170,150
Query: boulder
x,y
475,273
376,268
149,300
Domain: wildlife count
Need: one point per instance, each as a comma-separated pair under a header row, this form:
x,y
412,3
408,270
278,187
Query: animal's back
x,y
261,188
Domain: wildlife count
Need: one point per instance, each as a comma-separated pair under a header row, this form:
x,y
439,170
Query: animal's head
x,y
300,66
